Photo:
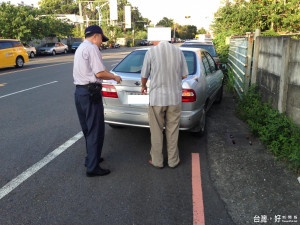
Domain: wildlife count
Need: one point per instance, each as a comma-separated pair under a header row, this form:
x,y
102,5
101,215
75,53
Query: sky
x,y
201,12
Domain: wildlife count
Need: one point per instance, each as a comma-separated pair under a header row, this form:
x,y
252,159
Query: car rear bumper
x,y
139,117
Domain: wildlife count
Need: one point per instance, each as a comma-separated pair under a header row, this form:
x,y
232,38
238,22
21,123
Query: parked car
x,y
209,46
31,51
53,48
144,43
75,45
12,53
202,87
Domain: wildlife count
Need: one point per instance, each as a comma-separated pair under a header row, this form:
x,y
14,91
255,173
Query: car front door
x,y
215,76
57,48
6,54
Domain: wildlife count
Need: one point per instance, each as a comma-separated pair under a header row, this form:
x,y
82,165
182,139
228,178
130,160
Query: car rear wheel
x,y
54,52
202,123
201,128
19,62
31,55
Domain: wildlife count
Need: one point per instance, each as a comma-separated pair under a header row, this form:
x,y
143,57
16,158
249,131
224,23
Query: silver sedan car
x,y
202,87
53,48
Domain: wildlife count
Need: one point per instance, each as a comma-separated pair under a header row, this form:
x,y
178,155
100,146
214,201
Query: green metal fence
x,y
239,58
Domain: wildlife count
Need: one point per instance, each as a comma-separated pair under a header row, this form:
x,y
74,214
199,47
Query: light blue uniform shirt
x,y
166,65
87,63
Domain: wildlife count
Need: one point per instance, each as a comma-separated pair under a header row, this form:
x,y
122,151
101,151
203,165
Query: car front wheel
x,y
219,95
54,52
65,51
19,62
31,55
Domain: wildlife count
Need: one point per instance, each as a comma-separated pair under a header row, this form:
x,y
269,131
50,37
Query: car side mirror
x,y
222,66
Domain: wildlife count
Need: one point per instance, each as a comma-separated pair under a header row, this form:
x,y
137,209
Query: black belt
x,y
86,86
83,86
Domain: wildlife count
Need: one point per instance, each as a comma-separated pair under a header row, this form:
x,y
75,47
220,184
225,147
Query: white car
x,y
31,51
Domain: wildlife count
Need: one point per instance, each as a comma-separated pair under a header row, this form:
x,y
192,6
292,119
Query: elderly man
x,y
165,64
88,73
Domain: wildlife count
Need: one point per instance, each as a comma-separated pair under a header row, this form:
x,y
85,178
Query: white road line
x,y
10,186
28,89
34,68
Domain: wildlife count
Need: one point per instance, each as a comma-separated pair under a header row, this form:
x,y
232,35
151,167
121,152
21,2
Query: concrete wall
x,y
276,70
293,93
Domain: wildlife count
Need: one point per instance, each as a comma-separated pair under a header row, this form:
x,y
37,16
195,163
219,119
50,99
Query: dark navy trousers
x,y
91,118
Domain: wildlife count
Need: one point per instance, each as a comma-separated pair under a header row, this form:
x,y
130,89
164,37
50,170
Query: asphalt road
x,y
38,117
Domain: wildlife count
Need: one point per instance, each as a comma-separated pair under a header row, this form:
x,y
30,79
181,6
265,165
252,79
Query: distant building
x,y
71,18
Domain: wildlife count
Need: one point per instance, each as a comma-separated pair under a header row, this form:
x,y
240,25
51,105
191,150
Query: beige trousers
x,y
168,117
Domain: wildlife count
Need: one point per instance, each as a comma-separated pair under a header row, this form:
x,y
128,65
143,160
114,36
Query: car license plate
x,y
136,98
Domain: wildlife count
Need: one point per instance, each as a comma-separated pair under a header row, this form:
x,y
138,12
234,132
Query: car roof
x,y
182,48
198,43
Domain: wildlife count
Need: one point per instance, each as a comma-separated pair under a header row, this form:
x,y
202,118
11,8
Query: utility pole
x,y
80,14
174,35
87,19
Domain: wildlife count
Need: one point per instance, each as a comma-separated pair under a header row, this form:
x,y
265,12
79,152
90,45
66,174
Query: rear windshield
x,y
134,61
209,48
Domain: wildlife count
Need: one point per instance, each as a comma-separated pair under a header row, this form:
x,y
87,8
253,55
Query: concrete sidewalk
x,y
255,187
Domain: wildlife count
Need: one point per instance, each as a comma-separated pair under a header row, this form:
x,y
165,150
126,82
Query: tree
x,y
270,16
242,16
202,31
186,31
59,6
16,22
165,22
26,23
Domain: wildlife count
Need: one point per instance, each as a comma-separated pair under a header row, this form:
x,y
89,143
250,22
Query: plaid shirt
x,y
165,64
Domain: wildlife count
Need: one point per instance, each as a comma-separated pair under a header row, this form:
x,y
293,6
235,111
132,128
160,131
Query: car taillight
x,y
109,91
188,95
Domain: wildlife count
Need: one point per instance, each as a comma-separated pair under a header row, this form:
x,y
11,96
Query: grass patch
x,y
279,133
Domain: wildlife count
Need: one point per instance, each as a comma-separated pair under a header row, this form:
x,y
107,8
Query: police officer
x,y
88,73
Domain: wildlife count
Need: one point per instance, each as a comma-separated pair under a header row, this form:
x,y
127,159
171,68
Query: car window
x,y
211,62
209,48
190,58
49,45
132,63
17,44
5,44
205,64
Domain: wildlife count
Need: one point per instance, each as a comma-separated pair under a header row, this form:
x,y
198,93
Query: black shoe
x,y
99,172
100,161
